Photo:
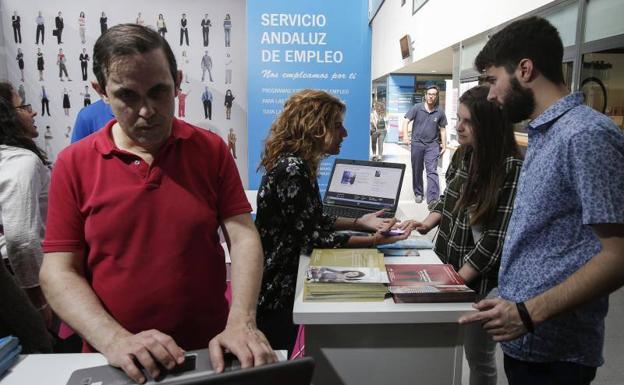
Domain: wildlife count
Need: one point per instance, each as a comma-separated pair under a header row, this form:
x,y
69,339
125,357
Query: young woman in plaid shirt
x,y
474,211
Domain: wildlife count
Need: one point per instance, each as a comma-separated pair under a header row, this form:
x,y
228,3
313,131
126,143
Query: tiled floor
x,y
611,373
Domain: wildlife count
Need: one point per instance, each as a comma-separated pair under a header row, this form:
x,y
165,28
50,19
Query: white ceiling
x,y
441,62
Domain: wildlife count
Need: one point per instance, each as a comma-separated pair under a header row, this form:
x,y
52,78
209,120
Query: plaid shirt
x,y
454,242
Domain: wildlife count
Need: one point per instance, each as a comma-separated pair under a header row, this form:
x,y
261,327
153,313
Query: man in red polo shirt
x,y
132,255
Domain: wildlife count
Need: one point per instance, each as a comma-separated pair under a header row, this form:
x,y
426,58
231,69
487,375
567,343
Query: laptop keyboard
x,y
349,212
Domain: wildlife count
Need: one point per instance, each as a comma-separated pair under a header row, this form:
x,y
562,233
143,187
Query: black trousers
x,y
83,67
205,34
59,34
45,105
17,34
40,30
547,373
207,109
184,33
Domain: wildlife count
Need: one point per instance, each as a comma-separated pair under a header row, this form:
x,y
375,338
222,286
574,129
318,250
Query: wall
x,y
437,25
120,11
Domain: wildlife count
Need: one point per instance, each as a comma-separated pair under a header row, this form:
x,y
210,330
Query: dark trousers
x,y
83,67
45,105
184,33
40,30
59,34
87,102
207,109
425,154
205,34
17,34
63,70
547,373
279,329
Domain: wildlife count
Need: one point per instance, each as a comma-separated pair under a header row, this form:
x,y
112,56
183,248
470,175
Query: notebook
x,y
358,187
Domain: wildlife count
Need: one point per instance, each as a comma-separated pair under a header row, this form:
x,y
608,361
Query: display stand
x,y
357,343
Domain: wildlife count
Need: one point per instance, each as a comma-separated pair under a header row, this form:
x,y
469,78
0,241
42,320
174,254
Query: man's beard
x,y
519,103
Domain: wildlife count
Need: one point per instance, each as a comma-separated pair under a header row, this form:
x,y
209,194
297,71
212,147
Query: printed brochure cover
x,y
427,283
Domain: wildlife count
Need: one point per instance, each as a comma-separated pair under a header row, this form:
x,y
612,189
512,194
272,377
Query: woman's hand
x,y
411,224
380,239
373,222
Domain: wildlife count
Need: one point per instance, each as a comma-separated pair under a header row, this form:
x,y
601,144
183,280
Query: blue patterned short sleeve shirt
x,y
572,177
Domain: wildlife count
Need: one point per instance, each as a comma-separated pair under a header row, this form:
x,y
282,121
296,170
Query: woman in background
x,y
24,178
40,63
103,23
82,22
227,29
379,124
229,100
20,62
161,26
66,103
474,212
290,216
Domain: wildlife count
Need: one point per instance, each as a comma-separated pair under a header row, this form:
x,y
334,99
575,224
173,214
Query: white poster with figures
x,y
49,56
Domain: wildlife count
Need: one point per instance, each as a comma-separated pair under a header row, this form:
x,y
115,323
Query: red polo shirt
x,y
150,232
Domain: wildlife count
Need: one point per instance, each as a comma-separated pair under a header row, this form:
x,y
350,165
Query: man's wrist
x,y
237,317
109,342
525,317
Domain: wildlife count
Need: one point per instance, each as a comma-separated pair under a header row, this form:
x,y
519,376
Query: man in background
x,y
90,119
428,143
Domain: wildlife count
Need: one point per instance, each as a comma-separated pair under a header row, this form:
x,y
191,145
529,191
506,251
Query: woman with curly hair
x,y
290,216
24,177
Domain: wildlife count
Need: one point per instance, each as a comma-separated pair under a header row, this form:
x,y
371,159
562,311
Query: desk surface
x,y
55,369
386,312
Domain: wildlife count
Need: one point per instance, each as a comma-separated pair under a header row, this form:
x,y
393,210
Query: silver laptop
x,y
197,370
358,187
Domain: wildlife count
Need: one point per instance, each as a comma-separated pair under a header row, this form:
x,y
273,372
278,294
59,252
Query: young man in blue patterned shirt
x,y
564,250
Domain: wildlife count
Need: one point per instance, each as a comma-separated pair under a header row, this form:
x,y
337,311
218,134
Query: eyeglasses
x,y
25,107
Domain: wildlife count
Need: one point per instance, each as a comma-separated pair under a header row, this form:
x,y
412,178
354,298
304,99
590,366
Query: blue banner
x,y
294,45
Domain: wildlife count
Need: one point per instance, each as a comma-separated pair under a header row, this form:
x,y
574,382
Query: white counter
x,y
386,312
361,343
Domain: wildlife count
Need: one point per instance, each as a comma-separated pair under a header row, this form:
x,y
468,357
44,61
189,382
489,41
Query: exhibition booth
x,y
241,60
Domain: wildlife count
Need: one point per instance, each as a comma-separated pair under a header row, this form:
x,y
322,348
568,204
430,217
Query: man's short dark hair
x,y
432,87
530,38
126,40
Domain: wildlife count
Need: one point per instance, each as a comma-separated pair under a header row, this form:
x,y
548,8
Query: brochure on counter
x,y
427,283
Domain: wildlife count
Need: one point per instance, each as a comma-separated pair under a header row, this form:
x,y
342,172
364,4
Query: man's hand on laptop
x,y
245,341
147,349
373,222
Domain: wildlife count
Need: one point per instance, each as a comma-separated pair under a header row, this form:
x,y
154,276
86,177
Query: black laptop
x,y
358,187
197,370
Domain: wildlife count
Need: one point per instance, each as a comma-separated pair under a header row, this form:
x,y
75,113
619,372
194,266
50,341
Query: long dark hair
x,y
493,142
11,130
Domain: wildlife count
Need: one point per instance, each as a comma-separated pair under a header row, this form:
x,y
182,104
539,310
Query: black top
x,y
291,222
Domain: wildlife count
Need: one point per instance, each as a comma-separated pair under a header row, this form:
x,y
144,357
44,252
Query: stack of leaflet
x,y
405,248
345,275
427,283
9,353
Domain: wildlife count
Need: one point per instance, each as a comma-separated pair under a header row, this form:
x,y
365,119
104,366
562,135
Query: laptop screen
x,y
364,184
